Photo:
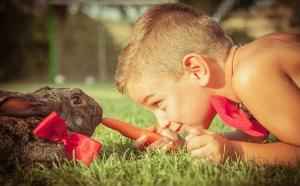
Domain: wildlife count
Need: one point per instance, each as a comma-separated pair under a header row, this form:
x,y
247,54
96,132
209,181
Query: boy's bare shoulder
x,y
271,44
266,56
267,81
285,37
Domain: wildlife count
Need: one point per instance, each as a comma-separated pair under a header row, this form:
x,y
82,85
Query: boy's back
x,y
272,51
266,78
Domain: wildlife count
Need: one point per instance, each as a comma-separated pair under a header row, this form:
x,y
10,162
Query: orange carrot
x,y
130,131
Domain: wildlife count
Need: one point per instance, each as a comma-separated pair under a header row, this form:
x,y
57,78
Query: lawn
x,y
119,164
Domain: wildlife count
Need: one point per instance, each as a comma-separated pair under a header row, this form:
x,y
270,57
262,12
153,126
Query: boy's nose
x,y
161,117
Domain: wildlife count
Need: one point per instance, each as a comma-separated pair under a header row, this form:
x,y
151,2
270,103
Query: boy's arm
x,y
270,153
239,135
211,145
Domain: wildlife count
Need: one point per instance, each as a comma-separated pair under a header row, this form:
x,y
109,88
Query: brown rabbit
x,y
20,113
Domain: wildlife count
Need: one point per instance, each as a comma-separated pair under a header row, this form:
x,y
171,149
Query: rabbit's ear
x,y
19,105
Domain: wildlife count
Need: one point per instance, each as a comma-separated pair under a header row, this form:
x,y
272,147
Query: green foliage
x,y
239,36
23,42
120,164
81,48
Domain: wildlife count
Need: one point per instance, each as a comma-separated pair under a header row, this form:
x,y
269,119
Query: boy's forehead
x,y
138,90
142,89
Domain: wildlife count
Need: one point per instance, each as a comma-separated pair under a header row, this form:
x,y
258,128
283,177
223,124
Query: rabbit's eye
x,y
76,100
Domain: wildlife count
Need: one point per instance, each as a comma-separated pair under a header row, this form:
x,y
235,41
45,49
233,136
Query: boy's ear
x,y
198,67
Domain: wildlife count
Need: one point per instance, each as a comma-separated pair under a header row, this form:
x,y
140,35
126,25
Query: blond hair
x,y
162,36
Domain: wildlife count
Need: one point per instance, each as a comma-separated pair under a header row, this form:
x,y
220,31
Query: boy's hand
x,y
171,142
211,145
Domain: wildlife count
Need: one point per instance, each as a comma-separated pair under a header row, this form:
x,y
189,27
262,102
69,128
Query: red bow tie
x,y
53,128
237,117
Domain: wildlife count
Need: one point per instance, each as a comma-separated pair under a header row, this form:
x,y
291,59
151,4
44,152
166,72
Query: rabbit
x,y
20,113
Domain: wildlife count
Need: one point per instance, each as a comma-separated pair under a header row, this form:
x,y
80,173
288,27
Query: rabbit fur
x,y
20,113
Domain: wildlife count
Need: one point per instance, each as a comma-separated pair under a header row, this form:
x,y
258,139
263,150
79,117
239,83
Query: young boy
x,y
178,58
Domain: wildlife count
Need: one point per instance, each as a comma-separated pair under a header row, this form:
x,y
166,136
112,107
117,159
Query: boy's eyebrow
x,y
145,99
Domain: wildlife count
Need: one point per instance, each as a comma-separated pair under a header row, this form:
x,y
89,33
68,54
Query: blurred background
x,y
63,41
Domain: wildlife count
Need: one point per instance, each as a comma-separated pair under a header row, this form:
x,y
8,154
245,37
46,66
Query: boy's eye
x,y
159,105
155,104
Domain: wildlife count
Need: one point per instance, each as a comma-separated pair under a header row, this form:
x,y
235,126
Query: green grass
x,y
119,164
